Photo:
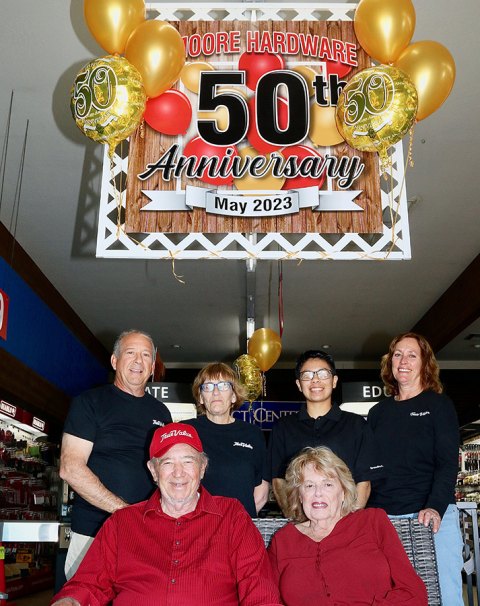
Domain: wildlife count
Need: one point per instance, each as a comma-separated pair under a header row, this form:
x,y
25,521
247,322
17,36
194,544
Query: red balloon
x,y
198,147
170,113
335,67
252,133
258,64
302,151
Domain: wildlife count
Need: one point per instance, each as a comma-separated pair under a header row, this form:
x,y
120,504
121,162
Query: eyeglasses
x,y
221,386
321,373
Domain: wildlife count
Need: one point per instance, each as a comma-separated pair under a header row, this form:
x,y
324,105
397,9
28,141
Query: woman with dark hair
x,y
236,450
332,552
416,430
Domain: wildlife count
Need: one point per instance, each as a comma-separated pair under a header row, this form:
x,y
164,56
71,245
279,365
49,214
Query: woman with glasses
x,y
416,429
332,552
236,450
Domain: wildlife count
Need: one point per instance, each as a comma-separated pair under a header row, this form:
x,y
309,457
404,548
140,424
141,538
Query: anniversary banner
x,y
260,153
255,165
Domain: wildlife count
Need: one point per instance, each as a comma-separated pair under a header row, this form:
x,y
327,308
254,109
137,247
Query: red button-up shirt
x,y
143,557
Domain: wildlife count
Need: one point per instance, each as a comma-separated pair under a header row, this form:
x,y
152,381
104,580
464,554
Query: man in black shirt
x,y
105,443
320,422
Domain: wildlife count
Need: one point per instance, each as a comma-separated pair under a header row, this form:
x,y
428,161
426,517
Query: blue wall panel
x,y
42,342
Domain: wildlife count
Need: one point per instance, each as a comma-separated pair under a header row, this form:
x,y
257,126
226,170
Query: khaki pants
x,y
79,545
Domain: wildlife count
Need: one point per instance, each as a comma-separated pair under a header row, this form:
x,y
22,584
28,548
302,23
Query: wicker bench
x,y
417,541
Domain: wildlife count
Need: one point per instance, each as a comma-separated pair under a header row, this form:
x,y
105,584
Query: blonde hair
x,y
323,461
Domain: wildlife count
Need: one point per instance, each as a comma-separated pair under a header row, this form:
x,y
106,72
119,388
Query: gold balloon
x,y
112,21
384,27
309,74
431,68
266,182
108,100
265,346
157,51
250,376
323,128
376,108
190,75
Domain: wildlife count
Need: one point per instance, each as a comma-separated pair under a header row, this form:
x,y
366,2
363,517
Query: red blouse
x,y
361,562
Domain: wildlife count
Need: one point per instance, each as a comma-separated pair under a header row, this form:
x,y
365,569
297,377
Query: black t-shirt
x,y
236,459
345,433
120,426
418,441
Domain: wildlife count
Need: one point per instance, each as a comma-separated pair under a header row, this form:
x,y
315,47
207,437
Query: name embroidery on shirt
x,y
419,414
243,445
155,422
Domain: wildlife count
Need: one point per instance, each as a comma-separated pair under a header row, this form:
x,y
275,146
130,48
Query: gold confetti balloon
x,y
376,109
250,376
108,100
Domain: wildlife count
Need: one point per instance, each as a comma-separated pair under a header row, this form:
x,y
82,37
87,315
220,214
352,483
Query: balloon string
x,y
280,297
177,277
264,385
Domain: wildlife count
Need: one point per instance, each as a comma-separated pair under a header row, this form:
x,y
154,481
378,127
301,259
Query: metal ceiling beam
x,y
454,311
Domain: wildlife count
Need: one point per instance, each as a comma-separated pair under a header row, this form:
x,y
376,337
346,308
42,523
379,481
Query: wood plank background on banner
x,y
147,146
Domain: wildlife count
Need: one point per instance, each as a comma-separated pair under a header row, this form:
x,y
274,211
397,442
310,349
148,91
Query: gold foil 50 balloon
x,y
250,376
376,108
108,100
112,21
384,27
431,68
265,346
157,51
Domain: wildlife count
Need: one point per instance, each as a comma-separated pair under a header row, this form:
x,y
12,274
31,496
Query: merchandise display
x,y
29,484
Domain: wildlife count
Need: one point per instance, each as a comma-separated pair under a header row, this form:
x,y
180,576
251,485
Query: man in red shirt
x,y
181,547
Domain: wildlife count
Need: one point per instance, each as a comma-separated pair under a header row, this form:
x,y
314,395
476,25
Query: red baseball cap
x,y
174,433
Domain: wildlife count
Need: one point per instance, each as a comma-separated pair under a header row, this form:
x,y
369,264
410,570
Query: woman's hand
x,y
425,516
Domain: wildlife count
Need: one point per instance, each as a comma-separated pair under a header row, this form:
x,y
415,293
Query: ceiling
x,y
355,307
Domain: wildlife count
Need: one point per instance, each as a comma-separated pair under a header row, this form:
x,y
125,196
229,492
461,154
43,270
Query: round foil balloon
x,y
250,376
265,346
376,108
108,100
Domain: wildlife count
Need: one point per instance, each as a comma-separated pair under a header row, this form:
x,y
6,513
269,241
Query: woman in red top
x,y
332,553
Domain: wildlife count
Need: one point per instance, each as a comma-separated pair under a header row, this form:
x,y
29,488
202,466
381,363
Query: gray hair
x,y
117,346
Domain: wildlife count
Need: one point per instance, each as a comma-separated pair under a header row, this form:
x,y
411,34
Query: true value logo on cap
x,y
175,432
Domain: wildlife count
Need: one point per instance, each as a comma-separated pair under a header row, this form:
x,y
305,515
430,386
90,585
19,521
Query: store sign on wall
x,y
266,413
4,302
267,163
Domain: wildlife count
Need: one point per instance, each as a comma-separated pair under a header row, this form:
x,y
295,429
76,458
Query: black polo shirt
x,y
346,433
